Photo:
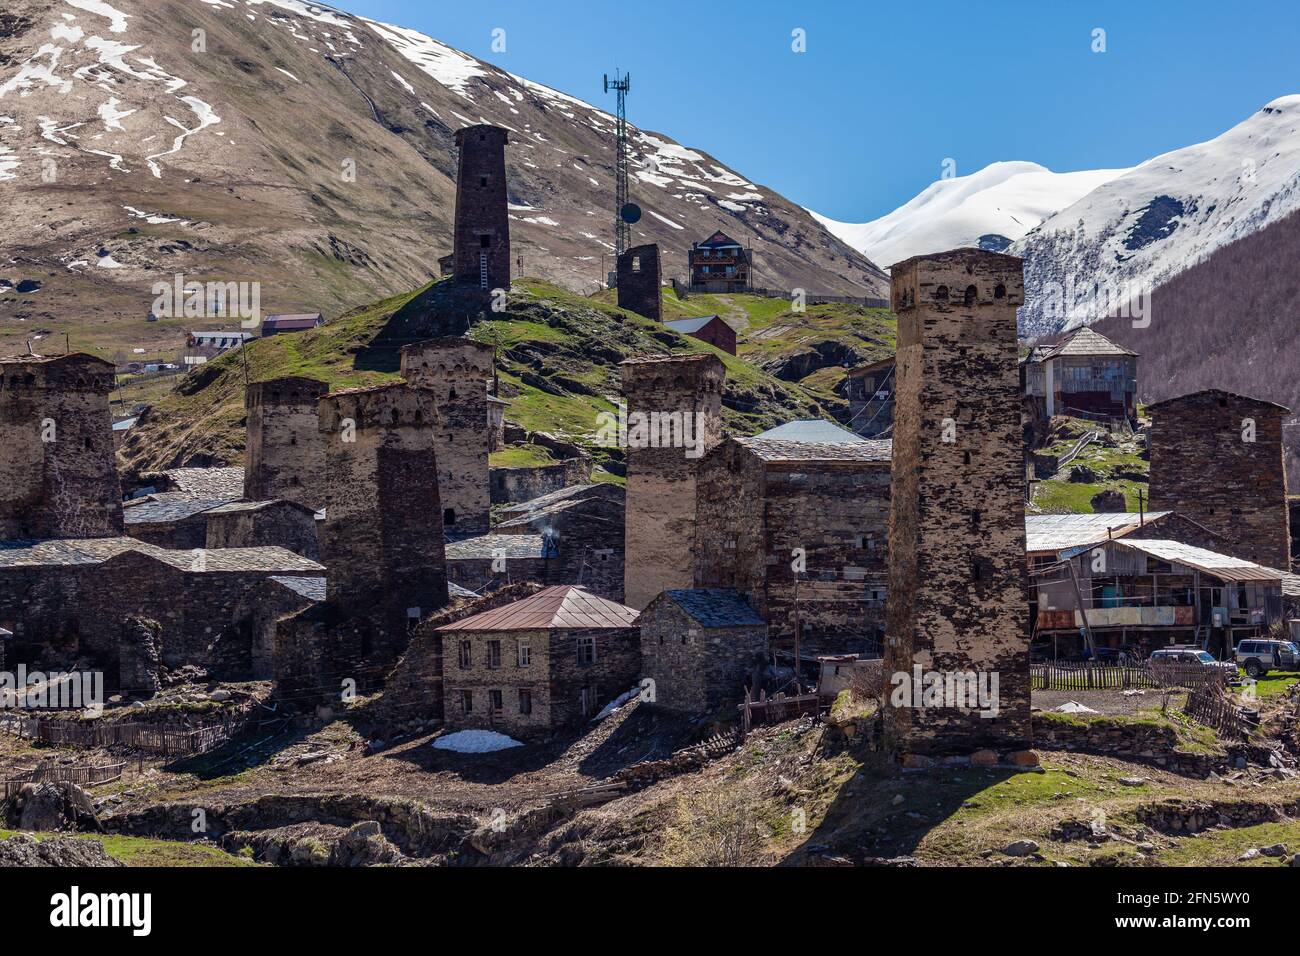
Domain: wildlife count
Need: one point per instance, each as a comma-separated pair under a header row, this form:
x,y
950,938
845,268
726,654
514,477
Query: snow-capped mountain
x,y
311,150
1138,230
989,209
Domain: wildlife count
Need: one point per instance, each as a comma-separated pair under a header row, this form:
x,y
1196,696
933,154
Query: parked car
x,y
1183,656
1259,657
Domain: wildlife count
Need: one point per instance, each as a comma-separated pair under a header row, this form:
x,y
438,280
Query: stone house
x,y
585,535
870,391
170,519
1218,458
256,524
487,562
540,665
804,523
700,647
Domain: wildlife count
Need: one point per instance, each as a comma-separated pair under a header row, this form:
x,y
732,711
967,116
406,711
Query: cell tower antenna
x,y
620,84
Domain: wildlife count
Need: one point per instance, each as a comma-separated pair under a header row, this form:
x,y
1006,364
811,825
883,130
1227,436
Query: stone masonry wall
x,y
1202,467
661,482
638,281
482,227
958,598
696,670
58,473
284,454
456,371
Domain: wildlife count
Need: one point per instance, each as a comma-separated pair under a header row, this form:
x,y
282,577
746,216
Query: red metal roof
x,y
563,606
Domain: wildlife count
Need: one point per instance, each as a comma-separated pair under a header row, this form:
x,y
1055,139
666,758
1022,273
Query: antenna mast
x,y
622,229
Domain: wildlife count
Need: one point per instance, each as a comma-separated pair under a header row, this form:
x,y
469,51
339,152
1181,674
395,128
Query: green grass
x,y
521,456
1056,497
145,851
1225,847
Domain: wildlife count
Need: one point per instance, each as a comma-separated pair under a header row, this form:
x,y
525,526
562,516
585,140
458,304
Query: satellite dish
x,y
630,213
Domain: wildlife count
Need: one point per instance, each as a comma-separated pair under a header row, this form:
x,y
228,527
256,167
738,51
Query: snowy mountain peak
x,y
990,208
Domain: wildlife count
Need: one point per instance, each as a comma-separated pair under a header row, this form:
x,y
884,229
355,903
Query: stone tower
x,y
672,402
382,542
481,244
638,281
58,473
1218,459
285,456
457,372
958,601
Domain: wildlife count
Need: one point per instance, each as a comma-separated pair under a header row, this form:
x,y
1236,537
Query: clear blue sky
x,y
862,121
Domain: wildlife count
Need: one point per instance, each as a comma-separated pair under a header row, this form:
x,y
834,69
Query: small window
x,y
525,702
467,702
466,655
493,655
449,516
970,295
482,180
525,655
587,701
941,293
498,707
586,650
999,291
965,458
636,263
484,241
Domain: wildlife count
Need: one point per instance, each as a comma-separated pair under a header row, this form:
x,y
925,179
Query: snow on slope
x,y
1161,217
988,209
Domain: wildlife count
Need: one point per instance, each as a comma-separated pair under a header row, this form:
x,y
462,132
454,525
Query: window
x,y
525,702
484,241
586,650
970,295
466,655
498,708
482,180
449,516
636,263
587,701
467,702
525,655
493,655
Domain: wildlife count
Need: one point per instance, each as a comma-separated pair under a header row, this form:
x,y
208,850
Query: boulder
x,y
1020,848
1108,501
52,808
24,850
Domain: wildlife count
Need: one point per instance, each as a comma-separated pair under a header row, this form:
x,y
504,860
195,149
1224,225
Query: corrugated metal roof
x,y
563,606
1085,342
811,430
1211,562
687,326
780,451
1059,532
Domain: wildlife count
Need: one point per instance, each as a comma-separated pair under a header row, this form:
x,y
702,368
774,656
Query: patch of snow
x,y
206,118
733,206
108,262
1073,707
69,32
151,219
664,219
310,11
288,74
397,76
8,163
32,72
112,116
449,67
117,19
475,742
616,703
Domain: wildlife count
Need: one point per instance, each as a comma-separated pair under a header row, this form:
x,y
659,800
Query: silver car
x,y
1259,657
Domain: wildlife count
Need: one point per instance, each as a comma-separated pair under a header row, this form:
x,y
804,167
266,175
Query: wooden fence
x,y
1086,675
167,741
86,776
1214,708
774,710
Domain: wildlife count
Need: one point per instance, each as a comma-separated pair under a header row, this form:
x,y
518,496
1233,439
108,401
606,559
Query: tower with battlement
x,y
674,416
481,241
58,472
958,601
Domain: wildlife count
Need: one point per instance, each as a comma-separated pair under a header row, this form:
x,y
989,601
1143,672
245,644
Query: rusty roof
x,y
564,606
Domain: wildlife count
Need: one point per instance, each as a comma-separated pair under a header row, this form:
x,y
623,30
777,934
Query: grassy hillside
x,y
558,355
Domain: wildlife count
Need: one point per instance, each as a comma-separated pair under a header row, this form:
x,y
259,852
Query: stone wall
x,y
1203,467
513,485
283,524
638,281
481,241
58,472
958,599
457,372
284,454
697,670
661,481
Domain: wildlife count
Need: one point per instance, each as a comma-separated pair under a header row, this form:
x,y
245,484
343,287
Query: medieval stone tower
x,y
958,600
638,281
481,244
1218,459
669,399
58,475
457,372
382,541
285,456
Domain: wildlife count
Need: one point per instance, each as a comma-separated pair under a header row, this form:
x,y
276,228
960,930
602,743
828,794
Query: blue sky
x,y
862,121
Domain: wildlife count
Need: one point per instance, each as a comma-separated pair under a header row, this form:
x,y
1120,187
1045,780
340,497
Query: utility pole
x,y
622,230
798,634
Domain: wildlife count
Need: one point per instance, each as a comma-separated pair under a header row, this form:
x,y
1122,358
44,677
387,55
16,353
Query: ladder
x,y
482,271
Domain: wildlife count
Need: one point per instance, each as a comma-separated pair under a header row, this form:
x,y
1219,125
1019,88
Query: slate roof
x,y
313,589
75,552
811,430
487,546
1219,391
226,483
1084,341
715,607
604,490
687,326
782,451
1061,532
234,507
167,508
563,606
1211,562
